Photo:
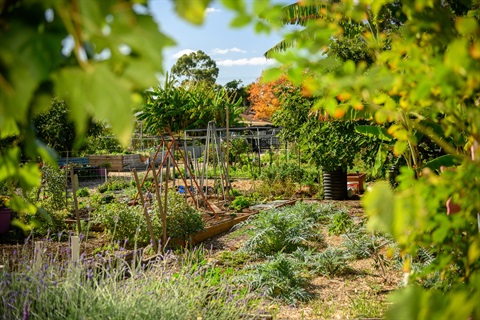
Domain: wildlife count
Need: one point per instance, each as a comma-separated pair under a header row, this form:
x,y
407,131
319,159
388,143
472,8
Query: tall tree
x,y
196,67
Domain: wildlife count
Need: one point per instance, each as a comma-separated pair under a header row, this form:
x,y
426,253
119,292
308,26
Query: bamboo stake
x,y
227,156
145,212
165,202
163,216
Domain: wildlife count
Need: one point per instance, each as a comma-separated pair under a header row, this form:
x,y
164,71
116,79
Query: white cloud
x,y
182,52
210,10
225,51
256,61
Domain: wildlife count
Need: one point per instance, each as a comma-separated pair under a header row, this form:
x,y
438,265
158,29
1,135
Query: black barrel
x,y
335,185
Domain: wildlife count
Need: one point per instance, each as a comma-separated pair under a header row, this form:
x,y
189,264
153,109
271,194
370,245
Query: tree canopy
x,y
265,97
196,67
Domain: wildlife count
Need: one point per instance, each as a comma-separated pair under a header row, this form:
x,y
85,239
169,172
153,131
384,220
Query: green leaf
x,y
374,131
240,21
192,10
466,25
271,74
235,5
400,147
349,67
380,159
447,160
259,6
87,94
379,206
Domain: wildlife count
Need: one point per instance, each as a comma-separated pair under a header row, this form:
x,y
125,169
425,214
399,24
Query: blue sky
x,y
237,52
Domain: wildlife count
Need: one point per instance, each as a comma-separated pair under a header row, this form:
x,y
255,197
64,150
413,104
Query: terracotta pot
x,y
5,219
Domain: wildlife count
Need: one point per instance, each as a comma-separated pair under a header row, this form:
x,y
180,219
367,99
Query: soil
x,y
332,296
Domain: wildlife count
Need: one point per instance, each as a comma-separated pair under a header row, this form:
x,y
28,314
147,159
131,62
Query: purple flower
x,y
25,311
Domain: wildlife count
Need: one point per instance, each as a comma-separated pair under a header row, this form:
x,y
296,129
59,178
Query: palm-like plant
x,y
295,14
351,45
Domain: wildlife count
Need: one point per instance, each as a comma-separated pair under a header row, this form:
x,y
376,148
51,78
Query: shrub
x,y
78,291
182,220
277,188
128,222
41,223
125,222
107,198
283,172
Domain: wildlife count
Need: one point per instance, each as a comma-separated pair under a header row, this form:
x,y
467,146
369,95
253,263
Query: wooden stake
x,y
38,255
75,245
145,212
75,201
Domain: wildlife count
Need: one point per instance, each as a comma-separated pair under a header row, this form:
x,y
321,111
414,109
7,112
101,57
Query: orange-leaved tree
x,y
266,97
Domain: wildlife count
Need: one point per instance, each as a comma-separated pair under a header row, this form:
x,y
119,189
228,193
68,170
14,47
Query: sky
x,y
238,53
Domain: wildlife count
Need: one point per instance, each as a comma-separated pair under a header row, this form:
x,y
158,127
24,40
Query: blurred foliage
x,y
116,54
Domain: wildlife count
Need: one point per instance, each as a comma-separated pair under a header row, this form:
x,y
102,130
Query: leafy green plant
x,y
282,172
107,198
240,203
277,188
4,201
279,277
341,222
331,262
278,230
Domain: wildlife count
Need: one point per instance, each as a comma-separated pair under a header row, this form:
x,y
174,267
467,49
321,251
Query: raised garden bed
x,y
117,162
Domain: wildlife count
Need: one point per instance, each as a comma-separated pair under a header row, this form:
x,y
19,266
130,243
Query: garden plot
x,y
303,269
